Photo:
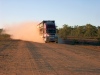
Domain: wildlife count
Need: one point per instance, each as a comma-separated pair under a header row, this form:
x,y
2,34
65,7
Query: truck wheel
x,y
56,41
45,40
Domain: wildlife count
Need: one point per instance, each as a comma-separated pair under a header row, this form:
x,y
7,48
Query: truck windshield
x,y
51,31
51,26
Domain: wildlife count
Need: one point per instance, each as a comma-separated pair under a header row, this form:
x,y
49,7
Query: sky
x,y
71,12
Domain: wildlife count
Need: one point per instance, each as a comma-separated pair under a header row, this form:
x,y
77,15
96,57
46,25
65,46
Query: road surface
x,y
31,58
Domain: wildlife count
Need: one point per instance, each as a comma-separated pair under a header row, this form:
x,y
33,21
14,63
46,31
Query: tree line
x,y
3,35
85,31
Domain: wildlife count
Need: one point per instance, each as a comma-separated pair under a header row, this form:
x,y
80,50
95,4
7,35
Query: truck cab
x,y
47,30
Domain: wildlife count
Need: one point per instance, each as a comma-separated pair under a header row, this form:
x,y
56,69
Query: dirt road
x,y
30,58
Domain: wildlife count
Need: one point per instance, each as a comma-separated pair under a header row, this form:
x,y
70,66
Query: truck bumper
x,y
52,39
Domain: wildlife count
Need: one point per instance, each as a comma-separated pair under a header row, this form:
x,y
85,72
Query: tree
x,y
3,35
65,31
91,31
98,31
78,31
85,31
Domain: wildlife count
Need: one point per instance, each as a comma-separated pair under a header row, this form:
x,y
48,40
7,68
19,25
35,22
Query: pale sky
x,y
71,12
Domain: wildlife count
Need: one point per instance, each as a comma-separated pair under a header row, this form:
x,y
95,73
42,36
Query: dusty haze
x,y
25,31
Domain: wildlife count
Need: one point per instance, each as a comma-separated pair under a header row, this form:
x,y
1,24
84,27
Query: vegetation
x,y
4,36
76,33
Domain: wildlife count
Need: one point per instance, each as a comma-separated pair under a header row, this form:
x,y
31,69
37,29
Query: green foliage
x,y
65,31
78,31
85,31
91,31
4,36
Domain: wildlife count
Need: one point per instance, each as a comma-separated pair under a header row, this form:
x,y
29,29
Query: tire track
x,y
46,59
6,46
52,58
68,55
8,43
42,65
7,55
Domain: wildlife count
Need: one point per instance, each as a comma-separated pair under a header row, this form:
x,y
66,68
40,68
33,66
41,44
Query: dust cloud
x,y
27,31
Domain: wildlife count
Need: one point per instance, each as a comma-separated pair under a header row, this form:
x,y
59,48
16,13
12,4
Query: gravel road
x,y
31,58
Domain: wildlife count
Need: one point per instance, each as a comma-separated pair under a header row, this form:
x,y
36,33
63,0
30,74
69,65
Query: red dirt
x,y
30,58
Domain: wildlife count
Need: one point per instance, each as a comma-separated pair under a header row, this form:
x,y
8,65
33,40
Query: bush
x,y
4,37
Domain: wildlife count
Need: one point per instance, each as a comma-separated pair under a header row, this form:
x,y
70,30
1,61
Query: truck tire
x,y
45,40
56,42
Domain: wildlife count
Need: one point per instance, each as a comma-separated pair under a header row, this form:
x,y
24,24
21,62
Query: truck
x,y
47,30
